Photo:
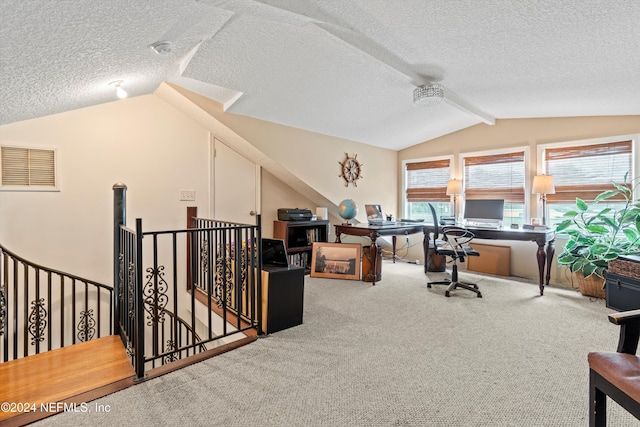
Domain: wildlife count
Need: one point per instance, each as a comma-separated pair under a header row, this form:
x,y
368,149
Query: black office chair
x,y
456,247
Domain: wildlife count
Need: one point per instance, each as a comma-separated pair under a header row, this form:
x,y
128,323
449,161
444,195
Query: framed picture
x,y
336,260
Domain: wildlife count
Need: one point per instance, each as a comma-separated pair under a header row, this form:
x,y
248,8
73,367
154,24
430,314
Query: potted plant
x,y
597,236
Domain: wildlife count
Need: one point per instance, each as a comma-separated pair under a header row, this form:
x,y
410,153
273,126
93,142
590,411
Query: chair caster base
x,y
460,285
448,294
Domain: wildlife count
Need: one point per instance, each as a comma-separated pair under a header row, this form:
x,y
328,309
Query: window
x,y
498,176
585,171
426,182
27,167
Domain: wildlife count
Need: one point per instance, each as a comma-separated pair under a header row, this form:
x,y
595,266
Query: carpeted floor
x,y
393,354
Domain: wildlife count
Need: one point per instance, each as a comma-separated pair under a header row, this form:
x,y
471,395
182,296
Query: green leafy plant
x,y
597,236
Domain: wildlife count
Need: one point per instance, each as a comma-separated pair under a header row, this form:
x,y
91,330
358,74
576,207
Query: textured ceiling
x,y
340,67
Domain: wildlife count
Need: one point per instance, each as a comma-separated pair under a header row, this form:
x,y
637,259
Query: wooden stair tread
x,y
59,374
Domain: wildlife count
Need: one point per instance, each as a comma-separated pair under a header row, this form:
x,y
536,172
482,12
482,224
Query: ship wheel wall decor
x,y
351,170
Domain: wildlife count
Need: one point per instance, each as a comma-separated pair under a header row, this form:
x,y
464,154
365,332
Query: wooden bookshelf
x,y
298,238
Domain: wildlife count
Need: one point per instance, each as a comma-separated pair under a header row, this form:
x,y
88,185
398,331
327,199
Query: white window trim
x,y
34,188
528,180
405,203
634,138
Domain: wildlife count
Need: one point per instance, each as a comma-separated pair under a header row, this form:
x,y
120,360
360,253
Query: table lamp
x,y
543,185
454,187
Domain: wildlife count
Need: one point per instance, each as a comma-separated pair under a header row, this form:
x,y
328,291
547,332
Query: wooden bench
x,y
616,375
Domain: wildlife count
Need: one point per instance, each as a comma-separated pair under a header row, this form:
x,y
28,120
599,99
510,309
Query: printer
x,y
294,214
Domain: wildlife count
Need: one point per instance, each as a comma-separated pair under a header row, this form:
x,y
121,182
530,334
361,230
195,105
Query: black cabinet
x,y
282,297
623,283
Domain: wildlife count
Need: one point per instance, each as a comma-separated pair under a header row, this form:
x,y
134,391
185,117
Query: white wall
x,y
141,142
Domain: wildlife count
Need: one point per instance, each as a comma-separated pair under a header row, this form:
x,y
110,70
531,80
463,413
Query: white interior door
x,y
236,181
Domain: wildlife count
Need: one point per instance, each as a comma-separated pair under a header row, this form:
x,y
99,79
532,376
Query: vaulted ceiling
x,y
344,68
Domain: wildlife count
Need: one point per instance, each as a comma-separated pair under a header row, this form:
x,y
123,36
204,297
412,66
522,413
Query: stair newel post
x,y
119,218
139,306
258,288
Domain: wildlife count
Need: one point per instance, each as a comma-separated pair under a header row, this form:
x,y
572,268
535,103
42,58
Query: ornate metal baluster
x,y
224,275
171,345
204,256
37,321
243,268
153,295
3,310
131,289
86,326
121,276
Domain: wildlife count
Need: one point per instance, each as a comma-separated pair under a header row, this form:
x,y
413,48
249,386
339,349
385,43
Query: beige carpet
x,y
393,354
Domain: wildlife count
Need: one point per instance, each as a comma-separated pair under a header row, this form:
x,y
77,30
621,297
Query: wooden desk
x,y
373,232
544,255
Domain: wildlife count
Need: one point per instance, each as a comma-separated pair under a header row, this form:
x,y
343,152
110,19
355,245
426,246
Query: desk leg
x,y
374,263
338,238
372,268
542,257
393,245
425,249
551,250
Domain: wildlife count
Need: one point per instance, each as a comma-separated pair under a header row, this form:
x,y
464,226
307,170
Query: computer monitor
x,y
274,252
484,210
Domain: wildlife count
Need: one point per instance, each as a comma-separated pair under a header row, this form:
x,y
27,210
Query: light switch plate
x,y
187,195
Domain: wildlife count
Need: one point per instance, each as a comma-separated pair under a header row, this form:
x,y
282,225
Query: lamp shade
x,y
454,186
543,184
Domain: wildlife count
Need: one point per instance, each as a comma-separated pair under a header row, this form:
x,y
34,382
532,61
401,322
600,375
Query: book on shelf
x,y
313,234
300,259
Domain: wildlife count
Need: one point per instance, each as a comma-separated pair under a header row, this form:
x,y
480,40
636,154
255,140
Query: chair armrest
x,y
629,322
625,317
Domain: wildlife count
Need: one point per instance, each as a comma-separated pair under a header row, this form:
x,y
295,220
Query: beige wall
x,y
156,150
312,158
316,160
141,142
279,195
522,133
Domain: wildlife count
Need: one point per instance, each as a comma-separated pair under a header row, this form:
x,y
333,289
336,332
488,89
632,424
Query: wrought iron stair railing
x,y
157,318
150,268
42,309
150,287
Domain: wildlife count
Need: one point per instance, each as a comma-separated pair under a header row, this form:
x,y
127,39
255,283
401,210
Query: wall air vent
x,y
26,168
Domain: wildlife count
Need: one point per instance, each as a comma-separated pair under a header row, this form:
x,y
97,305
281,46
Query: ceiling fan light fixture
x,y
424,96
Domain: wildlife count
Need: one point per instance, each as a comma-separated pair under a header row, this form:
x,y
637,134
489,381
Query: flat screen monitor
x,y
274,252
490,209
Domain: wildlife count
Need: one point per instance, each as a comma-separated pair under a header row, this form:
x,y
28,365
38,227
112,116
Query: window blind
x,y
585,171
497,176
427,181
27,167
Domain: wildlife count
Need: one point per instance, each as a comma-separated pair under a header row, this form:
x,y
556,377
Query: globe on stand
x,y
348,210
